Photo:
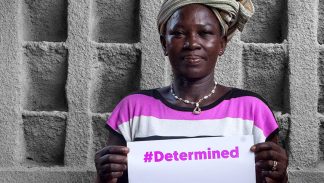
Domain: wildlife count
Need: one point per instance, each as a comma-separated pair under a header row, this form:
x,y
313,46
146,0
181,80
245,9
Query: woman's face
x,y
193,40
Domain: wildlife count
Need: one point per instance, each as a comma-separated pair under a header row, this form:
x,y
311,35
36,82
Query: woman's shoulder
x,y
246,95
141,96
246,99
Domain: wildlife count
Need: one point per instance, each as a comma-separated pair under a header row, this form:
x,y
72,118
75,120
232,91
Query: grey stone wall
x,y
64,64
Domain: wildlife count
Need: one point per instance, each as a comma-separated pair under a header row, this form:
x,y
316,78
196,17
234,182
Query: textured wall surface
x,y
65,64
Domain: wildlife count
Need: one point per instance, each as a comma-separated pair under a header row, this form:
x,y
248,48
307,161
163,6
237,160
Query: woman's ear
x,y
163,43
223,46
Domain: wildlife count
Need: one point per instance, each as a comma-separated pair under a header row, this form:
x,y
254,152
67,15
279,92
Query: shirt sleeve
x,y
265,124
119,120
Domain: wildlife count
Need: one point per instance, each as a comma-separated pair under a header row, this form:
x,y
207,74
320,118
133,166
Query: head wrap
x,y
232,14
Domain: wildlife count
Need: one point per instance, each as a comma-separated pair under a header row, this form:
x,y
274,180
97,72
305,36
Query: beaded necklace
x,y
197,109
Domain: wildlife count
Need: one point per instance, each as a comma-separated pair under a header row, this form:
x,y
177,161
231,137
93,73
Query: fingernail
x,y
253,148
126,150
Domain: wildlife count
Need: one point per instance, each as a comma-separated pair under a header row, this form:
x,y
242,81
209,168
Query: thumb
x,y
113,180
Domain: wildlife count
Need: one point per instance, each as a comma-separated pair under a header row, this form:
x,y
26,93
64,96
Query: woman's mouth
x,y
192,59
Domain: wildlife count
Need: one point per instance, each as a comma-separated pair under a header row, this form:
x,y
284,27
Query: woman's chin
x,y
192,75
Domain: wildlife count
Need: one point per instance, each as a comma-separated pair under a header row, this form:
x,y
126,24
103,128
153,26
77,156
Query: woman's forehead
x,y
194,14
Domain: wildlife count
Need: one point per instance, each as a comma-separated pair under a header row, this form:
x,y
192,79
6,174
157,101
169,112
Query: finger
x,y
265,165
268,180
108,180
273,175
113,181
265,146
258,172
113,150
268,155
269,165
276,171
113,158
110,175
112,167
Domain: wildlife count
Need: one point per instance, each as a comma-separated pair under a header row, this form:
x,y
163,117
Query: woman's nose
x,y
191,42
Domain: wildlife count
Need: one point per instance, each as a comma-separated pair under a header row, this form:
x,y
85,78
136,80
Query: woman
x,y
193,35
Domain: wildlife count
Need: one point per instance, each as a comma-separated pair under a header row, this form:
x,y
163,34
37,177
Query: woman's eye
x,y
177,33
204,33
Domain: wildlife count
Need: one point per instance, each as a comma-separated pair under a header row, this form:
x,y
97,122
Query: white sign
x,y
194,160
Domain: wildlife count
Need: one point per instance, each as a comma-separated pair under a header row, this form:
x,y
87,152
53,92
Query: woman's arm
x,y
111,161
266,154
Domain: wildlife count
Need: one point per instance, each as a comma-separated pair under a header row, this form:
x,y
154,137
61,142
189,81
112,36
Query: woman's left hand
x,y
271,162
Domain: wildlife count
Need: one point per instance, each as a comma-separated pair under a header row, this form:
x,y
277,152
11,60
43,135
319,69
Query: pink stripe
x,y
141,105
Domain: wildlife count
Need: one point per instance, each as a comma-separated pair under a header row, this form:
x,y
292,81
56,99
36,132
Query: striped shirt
x,y
146,115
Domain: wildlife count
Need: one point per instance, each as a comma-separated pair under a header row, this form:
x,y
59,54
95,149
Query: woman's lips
x,y
192,59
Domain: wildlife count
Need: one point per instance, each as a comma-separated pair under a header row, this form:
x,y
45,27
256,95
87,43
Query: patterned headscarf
x,y
232,14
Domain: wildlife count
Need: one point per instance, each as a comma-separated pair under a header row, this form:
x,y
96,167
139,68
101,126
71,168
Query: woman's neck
x,y
193,90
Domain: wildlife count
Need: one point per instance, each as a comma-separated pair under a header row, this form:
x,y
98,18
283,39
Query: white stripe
x,y
145,126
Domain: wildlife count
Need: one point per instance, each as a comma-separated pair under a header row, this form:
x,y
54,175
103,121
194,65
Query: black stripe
x,y
167,137
274,133
146,92
244,93
233,93
114,131
157,95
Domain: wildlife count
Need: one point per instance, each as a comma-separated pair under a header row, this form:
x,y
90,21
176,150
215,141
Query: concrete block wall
x,y
65,64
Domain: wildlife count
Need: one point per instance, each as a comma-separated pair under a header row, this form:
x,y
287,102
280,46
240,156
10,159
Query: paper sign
x,y
194,160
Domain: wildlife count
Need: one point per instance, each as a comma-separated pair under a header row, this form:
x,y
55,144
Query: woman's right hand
x,y
111,162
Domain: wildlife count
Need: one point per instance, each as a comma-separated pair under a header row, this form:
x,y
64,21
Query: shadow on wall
x,y
320,35
267,25
115,74
45,77
44,20
45,140
115,21
266,73
321,134
321,101
100,132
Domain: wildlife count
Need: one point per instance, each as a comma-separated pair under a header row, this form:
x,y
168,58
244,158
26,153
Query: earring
x,y
221,52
